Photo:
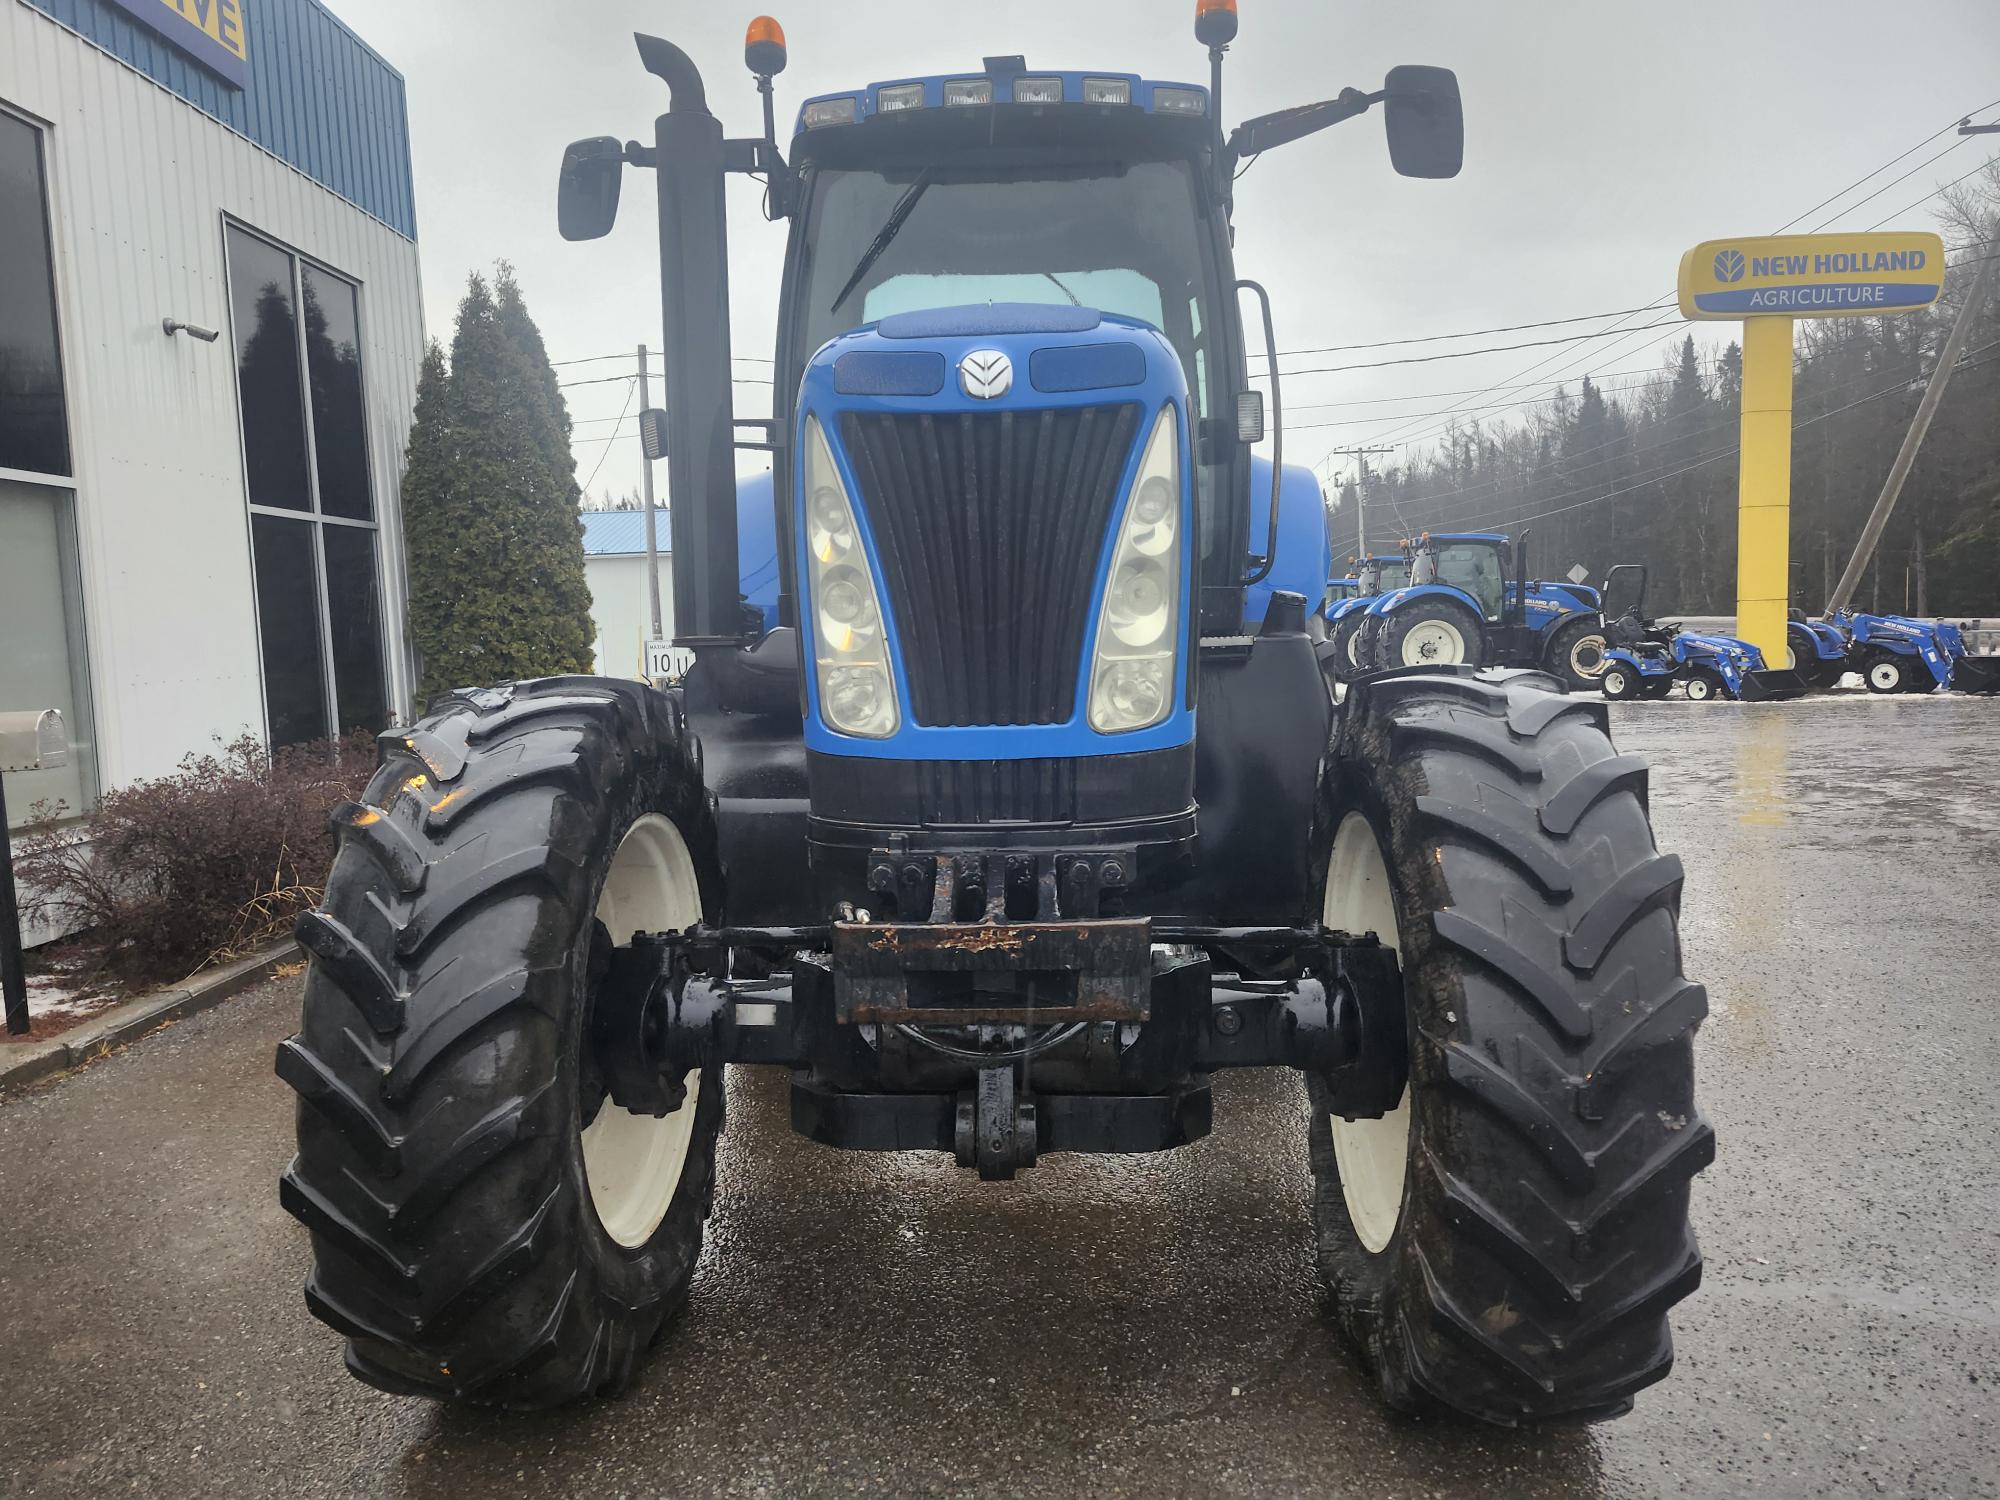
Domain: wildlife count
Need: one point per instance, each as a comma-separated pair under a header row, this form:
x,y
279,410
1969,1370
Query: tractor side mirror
x,y
587,196
1424,120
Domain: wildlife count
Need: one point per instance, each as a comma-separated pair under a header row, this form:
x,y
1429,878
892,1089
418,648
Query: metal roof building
x,y
622,533
210,333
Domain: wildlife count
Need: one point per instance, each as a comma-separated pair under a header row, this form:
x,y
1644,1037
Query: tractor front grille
x,y
990,526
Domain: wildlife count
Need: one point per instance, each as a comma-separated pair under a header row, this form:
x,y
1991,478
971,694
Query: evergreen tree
x,y
497,586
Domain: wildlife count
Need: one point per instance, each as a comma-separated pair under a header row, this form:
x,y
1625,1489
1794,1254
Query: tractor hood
x,y
989,455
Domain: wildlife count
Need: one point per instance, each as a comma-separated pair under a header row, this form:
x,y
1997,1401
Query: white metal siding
x,y
139,184
618,609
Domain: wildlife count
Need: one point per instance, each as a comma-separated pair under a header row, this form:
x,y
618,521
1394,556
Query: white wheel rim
x,y
1373,1156
1614,682
1433,643
634,1162
1697,688
1354,647
1792,658
1586,656
1884,674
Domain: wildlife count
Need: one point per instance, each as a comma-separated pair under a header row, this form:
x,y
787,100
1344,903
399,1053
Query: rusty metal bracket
x,y
1002,972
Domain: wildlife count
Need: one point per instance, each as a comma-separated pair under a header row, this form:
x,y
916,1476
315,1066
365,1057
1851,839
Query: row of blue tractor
x,y
1892,654
1452,597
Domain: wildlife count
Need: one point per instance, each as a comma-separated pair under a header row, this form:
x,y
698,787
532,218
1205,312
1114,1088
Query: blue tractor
x,y
1005,811
1462,605
1376,576
1645,658
1710,666
1820,649
1896,654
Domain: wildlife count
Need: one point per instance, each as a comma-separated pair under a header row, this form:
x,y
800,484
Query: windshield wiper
x,y
886,233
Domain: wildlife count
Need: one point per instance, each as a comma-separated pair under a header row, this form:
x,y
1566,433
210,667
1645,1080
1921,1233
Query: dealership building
x,y
210,333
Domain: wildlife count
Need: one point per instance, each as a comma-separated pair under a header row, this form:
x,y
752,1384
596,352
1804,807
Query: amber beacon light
x,y
764,47
1215,22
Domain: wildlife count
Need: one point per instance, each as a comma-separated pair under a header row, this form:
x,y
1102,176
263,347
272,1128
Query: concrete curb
x,y
131,1020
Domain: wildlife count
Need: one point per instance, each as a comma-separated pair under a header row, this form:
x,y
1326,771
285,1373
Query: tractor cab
x,y
1473,562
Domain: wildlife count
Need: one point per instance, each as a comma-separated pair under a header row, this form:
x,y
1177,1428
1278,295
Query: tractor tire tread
x,y
1544,1233
453,1237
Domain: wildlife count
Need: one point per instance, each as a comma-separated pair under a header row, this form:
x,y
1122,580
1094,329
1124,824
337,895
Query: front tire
x,y
1429,633
1703,685
1348,662
1886,672
487,1225
1506,1244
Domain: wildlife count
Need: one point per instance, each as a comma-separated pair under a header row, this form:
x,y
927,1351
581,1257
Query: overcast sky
x,y
1603,138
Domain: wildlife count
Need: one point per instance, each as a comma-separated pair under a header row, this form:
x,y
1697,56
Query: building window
x,y
42,658
34,434
313,532
41,624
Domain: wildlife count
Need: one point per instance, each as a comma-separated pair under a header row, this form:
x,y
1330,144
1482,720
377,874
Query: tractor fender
x,y
1389,603
1643,666
1304,550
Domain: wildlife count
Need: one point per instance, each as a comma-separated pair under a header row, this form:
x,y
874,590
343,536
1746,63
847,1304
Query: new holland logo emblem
x,y
986,374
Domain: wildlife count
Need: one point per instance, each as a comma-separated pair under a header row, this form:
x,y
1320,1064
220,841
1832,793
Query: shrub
x,y
203,864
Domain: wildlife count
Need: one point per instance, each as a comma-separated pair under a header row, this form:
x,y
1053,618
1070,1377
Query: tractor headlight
x,y
857,694
1138,629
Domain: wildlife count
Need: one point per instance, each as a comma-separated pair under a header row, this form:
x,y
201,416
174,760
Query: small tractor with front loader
x,y
1462,604
1897,654
1017,819
1646,658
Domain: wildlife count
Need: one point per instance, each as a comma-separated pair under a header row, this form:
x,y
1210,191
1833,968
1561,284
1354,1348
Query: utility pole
x,y
1360,456
652,536
1906,457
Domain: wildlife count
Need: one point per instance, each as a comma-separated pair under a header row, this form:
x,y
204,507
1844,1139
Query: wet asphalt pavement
x,y
1144,1326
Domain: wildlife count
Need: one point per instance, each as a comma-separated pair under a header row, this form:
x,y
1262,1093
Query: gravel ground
x,y
1149,1326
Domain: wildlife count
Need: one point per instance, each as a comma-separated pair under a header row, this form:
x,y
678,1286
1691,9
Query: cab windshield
x,y
1122,238
1469,566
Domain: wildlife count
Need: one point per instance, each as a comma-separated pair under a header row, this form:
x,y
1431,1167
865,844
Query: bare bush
x,y
204,864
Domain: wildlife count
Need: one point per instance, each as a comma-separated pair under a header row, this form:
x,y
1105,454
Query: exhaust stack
x,y
694,301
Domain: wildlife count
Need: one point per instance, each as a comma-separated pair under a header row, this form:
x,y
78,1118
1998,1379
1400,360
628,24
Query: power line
x,y
598,359
1434,432
1665,297
1470,333
1933,193
585,487
1424,359
565,385
1884,167
1886,186
1650,372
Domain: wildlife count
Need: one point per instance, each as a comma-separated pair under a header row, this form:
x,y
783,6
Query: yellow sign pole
x,y
1767,283
1764,489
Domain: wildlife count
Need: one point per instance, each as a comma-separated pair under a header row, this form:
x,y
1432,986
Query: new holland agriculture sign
x,y
209,31
1811,275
